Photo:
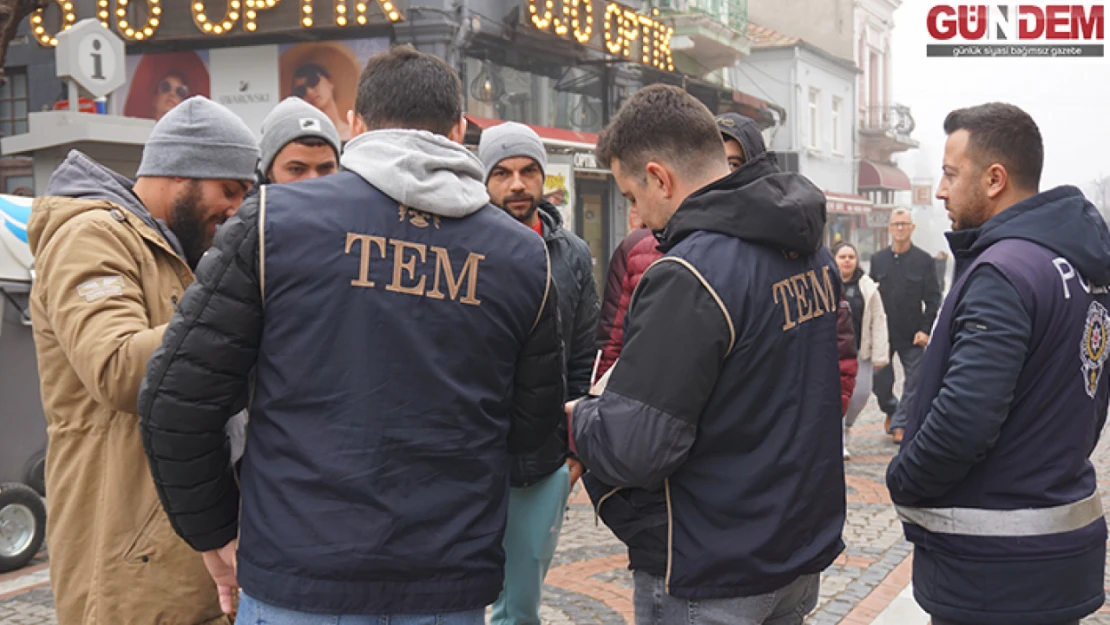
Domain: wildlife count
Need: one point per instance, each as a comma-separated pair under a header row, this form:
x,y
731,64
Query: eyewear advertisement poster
x,y
249,80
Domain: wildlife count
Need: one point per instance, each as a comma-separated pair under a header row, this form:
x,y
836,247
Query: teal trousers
x,y
531,535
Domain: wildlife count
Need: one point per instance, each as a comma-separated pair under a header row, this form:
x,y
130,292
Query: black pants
x,y
937,621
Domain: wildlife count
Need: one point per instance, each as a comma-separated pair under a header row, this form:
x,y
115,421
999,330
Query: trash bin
x,y
22,425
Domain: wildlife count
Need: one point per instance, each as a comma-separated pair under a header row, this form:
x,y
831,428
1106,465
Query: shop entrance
x,y
593,225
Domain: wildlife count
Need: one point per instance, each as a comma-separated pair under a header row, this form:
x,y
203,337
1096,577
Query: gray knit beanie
x,y
510,140
200,139
292,119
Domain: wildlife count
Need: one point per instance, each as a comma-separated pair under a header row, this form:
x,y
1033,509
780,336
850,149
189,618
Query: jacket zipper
x,y
670,535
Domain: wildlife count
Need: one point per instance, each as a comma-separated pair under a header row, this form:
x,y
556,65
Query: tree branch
x,y
12,14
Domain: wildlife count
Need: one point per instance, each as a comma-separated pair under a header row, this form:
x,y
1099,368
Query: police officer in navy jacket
x,y
404,338
726,397
994,482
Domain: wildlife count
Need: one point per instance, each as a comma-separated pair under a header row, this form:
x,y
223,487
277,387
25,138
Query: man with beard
x,y
514,160
994,483
386,394
112,258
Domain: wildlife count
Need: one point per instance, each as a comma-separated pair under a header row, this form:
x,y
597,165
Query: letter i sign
x,y
91,55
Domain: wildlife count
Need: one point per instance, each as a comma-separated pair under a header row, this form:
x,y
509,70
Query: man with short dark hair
x,y
723,329
298,142
994,482
404,340
514,159
743,142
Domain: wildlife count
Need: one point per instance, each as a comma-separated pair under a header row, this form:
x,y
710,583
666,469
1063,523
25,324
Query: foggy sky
x,y
1068,98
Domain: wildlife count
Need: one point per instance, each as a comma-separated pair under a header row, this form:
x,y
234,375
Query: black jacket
x,y
1011,399
730,368
910,292
390,384
573,276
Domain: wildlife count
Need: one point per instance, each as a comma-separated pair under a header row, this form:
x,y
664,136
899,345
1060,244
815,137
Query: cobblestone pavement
x,y
589,583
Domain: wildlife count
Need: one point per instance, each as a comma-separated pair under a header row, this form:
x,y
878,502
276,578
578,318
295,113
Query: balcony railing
x,y
896,119
734,13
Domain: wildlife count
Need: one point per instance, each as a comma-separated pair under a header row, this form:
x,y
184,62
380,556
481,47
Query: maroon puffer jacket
x,y
634,255
846,345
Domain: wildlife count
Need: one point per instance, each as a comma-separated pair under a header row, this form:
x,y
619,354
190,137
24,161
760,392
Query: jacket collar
x,y
552,221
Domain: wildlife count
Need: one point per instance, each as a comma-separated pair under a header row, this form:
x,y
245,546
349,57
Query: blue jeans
x,y
898,409
531,535
785,606
254,612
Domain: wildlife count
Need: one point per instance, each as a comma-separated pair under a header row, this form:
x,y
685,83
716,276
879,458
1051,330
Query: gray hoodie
x,y
80,177
419,169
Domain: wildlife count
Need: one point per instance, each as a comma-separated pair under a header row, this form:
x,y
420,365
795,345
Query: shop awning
x,y
554,137
875,176
847,203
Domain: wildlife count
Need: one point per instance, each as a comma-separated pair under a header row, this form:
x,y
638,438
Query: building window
x,y
13,104
814,127
837,107
874,99
571,101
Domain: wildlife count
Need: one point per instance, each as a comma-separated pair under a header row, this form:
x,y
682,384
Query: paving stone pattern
x,y
589,583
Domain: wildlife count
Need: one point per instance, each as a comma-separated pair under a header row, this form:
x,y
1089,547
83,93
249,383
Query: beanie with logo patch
x,y
293,119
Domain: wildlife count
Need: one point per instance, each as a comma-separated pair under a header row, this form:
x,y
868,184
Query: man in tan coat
x,y
112,258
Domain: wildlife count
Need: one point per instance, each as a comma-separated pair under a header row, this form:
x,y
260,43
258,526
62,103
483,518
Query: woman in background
x,y
869,322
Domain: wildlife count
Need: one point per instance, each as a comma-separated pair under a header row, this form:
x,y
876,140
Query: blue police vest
x,y
1034,495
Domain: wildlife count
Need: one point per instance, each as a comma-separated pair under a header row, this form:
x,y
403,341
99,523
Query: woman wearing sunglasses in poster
x,y
162,81
324,74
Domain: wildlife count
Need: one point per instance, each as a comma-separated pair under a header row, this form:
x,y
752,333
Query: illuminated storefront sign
x,y
166,20
606,26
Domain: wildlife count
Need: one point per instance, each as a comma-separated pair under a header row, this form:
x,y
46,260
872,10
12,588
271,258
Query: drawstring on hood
x,y
419,169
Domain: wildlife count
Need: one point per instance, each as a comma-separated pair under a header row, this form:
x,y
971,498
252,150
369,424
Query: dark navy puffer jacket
x,y
400,355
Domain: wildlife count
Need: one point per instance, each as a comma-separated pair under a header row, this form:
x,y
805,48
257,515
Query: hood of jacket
x,y
747,133
419,169
758,203
552,221
1061,219
81,178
